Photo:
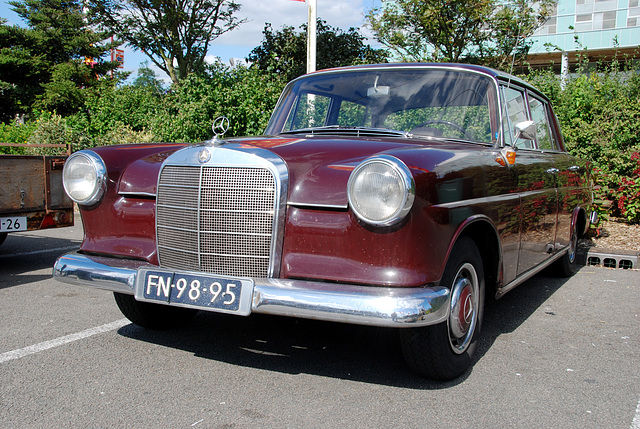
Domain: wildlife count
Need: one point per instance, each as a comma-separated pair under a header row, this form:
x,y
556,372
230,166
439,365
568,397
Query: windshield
x,y
425,102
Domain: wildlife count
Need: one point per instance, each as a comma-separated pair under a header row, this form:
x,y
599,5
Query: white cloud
x,y
337,13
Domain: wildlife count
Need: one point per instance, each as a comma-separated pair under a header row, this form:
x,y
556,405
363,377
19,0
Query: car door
x,y
535,177
571,177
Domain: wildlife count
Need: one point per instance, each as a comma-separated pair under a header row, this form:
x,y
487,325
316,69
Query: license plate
x,y
13,224
194,290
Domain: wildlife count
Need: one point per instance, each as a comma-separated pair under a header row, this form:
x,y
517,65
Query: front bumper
x,y
346,303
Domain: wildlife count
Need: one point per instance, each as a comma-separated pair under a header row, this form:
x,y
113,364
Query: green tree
x,y
511,28
44,65
147,78
174,34
285,51
22,70
457,31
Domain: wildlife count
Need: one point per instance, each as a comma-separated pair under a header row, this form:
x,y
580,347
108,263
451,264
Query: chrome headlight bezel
x,y
364,197
84,177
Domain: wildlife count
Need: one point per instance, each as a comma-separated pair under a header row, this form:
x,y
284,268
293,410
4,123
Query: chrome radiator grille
x,y
216,219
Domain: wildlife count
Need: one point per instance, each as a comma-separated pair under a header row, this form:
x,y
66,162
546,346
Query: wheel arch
x,y
484,234
579,221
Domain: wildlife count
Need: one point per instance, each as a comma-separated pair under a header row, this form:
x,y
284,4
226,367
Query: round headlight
x,y
381,190
84,177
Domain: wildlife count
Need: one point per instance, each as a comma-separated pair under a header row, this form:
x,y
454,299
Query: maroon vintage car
x,y
396,195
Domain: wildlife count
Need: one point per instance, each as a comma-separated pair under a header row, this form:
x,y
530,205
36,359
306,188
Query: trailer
x,y
31,193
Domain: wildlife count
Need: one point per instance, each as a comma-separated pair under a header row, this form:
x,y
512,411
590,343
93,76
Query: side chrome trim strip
x,y
318,206
137,194
532,272
346,303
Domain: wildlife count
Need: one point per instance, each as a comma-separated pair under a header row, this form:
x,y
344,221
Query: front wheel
x,y
445,351
152,316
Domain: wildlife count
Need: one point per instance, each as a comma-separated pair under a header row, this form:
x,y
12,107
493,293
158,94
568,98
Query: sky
x,y
239,42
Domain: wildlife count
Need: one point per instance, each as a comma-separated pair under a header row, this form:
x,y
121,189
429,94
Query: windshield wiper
x,y
349,131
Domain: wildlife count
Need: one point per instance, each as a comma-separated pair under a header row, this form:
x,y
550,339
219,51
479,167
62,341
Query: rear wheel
x,y
152,316
566,266
445,351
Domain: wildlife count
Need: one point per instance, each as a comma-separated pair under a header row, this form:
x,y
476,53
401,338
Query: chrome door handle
x,y
574,168
553,171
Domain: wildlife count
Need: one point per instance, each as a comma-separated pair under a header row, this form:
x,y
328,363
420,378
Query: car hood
x,y
319,167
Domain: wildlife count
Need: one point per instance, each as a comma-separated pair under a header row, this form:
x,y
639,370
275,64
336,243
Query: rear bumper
x,y
357,304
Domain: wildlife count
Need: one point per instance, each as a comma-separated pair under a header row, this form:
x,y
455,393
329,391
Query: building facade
x,y
604,29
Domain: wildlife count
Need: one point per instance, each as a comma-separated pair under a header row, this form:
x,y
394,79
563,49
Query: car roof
x,y
488,71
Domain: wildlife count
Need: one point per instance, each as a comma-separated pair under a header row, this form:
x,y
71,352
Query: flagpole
x,y
311,36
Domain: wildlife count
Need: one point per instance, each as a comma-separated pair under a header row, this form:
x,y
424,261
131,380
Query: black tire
x,y
444,351
152,316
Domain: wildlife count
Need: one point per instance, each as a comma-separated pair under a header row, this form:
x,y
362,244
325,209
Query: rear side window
x,y
539,114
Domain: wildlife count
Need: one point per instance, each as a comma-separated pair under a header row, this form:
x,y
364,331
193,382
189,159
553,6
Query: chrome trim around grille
x,y
347,303
220,210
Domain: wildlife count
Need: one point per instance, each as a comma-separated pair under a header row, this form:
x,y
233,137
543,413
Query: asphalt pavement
x,y
558,353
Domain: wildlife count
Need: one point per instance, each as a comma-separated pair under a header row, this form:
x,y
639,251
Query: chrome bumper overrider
x,y
362,305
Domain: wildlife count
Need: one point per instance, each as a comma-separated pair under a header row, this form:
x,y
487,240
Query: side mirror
x,y
525,130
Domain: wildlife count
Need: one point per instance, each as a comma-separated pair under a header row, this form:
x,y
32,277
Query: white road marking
x,y
45,345
635,424
35,252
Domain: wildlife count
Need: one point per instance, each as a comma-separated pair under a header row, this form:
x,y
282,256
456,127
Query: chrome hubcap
x,y
573,246
463,316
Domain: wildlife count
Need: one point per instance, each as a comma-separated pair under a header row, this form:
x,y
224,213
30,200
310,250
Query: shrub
x,y
54,130
123,134
245,96
627,193
599,113
15,133
108,108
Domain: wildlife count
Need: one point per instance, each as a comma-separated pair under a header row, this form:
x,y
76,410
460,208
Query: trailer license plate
x,y
13,224
194,290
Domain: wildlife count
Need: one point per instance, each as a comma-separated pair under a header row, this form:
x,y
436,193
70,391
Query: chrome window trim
x,y
495,83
